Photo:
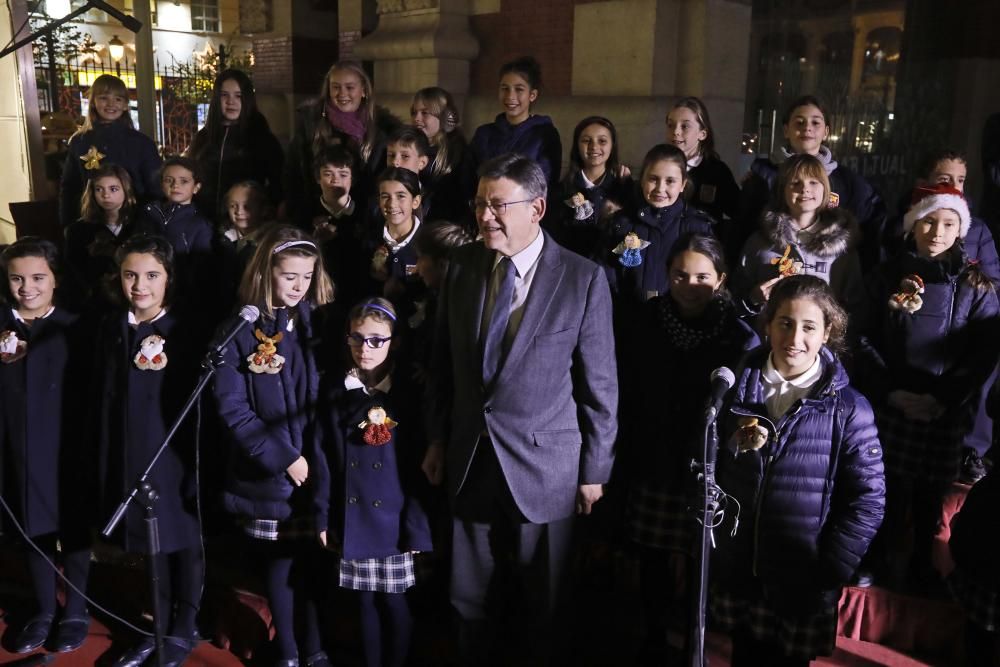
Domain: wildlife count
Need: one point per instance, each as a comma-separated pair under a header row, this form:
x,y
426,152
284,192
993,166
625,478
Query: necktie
x,y
497,327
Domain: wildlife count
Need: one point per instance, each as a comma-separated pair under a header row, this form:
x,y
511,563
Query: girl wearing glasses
x,y
266,389
369,449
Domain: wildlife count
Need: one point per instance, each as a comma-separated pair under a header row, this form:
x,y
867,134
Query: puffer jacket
x,y
536,139
827,253
813,497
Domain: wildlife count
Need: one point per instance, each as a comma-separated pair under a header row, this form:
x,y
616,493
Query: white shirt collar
x,y
132,322
695,161
396,245
17,315
526,258
352,381
587,183
807,379
233,234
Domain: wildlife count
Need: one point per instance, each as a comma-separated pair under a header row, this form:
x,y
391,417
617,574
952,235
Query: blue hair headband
x,y
381,309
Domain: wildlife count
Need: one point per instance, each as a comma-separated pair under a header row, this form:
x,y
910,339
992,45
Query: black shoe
x,y
135,656
34,634
71,633
176,651
973,468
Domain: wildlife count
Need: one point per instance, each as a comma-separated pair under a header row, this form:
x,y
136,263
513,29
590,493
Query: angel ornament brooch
x,y
629,251
376,428
12,348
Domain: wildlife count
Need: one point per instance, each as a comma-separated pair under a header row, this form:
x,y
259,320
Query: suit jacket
x,y
551,413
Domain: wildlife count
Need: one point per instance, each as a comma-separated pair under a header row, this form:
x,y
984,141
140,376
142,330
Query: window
x,y
205,15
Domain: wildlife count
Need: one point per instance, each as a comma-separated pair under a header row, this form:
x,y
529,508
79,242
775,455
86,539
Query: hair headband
x,y
291,244
381,309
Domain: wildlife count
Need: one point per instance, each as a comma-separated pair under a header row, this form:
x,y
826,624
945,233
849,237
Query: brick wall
x,y
272,68
543,29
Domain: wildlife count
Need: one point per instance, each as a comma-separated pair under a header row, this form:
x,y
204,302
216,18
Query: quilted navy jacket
x,y
813,497
536,139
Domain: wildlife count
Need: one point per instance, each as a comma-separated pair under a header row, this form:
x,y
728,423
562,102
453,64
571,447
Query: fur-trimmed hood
x,y
833,234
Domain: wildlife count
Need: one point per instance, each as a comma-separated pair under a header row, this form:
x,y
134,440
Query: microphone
x,y
722,381
247,315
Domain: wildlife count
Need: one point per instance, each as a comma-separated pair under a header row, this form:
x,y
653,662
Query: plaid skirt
x,y
930,452
980,603
659,518
392,574
801,636
272,530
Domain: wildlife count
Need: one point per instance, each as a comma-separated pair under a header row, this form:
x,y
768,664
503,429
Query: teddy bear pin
x,y
266,359
151,356
750,435
908,298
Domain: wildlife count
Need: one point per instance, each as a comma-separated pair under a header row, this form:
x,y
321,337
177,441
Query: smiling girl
x,y
148,365
643,234
42,358
435,113
932,342
343,113
806,129
595,187
266,391
236,144
801,234
107,137
517,129
800,455
393,254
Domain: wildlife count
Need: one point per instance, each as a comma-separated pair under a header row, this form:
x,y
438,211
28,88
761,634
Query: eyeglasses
x,y
373,342
478,206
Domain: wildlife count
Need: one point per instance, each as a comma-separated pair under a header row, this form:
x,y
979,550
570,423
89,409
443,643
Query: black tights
x,y
660,572
386,626
182,577
76,567
288,569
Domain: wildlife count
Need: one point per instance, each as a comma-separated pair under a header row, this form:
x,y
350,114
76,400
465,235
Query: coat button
x,y
377,465
376,503
354,463
353,500
488,410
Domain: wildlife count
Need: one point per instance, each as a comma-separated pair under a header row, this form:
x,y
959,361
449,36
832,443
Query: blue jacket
x,y
267,417
368,493
45,453
854,193
813,497
584,234
978,244
188,231
536,139
662,227
120,145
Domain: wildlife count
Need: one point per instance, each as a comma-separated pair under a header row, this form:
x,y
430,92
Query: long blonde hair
x,y
323,134
449,140
280,241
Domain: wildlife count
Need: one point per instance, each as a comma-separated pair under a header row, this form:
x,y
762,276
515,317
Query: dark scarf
x,y
687,335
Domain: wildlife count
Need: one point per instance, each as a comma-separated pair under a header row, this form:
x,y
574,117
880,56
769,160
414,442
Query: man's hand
x,y
586,496
298,471
433,464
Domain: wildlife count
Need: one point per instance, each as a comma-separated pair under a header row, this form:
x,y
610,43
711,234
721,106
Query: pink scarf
x,y
352,124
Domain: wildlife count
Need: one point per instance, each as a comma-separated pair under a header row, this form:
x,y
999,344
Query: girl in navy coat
x,y
147,368
713,188
370,444
643,234
107,137
266,391
697,329
595,188
802,466
517,130
106,217
43,360
393,255
932,345
806,128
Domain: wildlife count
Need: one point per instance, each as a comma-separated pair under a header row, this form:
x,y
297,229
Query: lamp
x,y
116,48
57,8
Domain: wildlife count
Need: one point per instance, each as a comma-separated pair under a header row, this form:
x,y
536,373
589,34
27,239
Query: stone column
x,y
419,43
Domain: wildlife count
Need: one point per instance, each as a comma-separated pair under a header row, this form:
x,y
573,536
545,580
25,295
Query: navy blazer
x,y
551,414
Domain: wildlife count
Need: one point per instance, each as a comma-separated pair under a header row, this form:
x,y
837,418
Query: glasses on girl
x,y
374,342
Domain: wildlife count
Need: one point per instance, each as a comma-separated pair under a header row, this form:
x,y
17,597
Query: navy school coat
x,y
46,454
366,494
536,139
137,408
267,417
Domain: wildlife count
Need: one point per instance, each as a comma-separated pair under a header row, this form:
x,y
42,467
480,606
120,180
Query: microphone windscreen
x,y
724,374
251,313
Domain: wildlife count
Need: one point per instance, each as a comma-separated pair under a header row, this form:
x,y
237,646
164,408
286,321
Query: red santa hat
x,y
929,198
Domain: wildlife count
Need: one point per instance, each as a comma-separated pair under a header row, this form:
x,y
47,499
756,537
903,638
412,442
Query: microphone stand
x,y
147,495
705,513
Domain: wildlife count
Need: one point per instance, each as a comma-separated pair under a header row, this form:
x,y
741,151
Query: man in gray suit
x,y
524,402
